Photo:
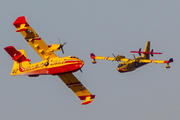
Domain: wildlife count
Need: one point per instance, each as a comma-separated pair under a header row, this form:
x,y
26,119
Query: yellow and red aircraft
x,y
127,65
51,64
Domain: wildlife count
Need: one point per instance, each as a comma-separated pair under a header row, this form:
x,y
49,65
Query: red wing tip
x,y
8,47
20,20
92,55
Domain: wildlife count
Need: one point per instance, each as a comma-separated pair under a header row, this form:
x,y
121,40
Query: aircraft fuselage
x,y
129,66
52,66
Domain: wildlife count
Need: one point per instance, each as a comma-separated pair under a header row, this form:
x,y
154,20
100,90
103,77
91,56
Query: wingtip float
x,y
51,64
127,65
87,100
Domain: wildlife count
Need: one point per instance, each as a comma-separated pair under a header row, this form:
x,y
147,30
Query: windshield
x,y
74,57
121,64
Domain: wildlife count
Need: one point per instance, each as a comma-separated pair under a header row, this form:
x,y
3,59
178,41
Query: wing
x,y
33,38
157,61
153,61
102,58
75,85
117,58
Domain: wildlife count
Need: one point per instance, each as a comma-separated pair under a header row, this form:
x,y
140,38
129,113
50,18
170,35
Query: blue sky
x,y
102,27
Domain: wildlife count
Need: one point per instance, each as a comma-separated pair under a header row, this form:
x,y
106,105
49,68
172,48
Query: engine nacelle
x,y
54,47
119,57
139,58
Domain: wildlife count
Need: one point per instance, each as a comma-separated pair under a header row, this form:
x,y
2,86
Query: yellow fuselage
x,y
129,66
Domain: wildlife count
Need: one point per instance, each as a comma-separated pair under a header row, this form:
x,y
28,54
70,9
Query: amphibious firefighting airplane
x,y
51,64
127,65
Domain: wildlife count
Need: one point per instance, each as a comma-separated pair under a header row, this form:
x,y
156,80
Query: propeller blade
x,y
134,57
62,50
114,57
61,45
135,61
64,44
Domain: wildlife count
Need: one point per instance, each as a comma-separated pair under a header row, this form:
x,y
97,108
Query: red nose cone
x,y
78,65
81,64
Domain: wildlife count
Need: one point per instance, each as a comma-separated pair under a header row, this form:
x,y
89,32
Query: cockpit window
x,y
121,64
74,57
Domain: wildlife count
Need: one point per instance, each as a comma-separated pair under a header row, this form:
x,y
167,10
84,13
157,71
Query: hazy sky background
x,y
102,27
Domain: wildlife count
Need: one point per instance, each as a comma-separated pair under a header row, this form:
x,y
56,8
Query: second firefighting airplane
x,y
127,65
51,64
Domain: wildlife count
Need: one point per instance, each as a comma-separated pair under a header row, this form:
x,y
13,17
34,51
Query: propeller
x,y
61,45
113,54
114,57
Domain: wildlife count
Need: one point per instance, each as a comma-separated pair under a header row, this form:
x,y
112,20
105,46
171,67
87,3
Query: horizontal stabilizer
x,y
139,52
16,55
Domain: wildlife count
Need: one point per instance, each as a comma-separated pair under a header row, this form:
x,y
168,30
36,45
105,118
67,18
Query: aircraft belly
x,y
141,64
43,71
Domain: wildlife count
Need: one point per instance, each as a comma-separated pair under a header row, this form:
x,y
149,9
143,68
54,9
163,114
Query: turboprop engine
x,y
54,47
119,57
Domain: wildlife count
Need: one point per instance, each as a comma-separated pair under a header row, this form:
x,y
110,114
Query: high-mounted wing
x,y
117,58
75,85
33,38
157,61
101,57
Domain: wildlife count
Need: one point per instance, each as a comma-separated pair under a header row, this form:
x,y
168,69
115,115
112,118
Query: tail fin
x,y
18,57
146,52
147,49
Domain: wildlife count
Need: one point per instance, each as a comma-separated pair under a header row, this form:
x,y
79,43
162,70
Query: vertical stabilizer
x,y
147,49
19,57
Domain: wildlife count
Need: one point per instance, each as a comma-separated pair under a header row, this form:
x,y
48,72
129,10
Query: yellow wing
x,y
117,58
157,61
33,38
152,61
75,85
